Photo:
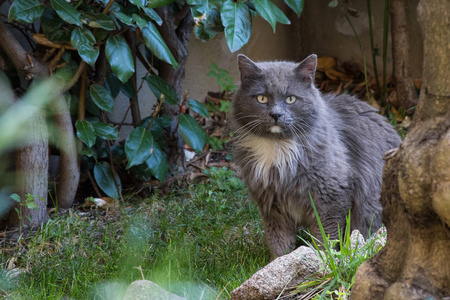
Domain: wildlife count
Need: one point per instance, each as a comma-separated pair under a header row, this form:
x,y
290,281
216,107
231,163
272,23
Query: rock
x,y
284,271
380,238
147,290
356,237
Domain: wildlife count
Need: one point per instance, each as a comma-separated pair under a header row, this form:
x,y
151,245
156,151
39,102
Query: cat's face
x,y
275,99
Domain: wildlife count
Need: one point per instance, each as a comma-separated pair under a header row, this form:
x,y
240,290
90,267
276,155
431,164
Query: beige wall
x,y
320,29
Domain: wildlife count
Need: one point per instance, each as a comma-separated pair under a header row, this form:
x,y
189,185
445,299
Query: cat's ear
x,y
307,68
247,67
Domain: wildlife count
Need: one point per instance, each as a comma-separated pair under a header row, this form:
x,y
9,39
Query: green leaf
x,y
101,97
296,6
140,3
105,131
333,3
153,15
112,83
154,42
15,197
159,3
159,86
83,40
52,26
67,12
98,21
125,19
138,146
104,177
198,107
191,132
26,11
85,131
157,163
270,12
120,58
237,22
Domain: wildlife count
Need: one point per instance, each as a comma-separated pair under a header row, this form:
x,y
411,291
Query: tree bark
x,y
69,172
175,31
415,263
31,175
404,86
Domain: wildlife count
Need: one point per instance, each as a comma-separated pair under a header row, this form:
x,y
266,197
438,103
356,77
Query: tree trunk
x,y
176,34
69,173
404,86
31,175
415,263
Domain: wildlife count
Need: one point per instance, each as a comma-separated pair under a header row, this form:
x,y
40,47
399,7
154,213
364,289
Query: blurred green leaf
x,y
101,97
296,6
67,12
270,12
127,20
159,86
26,11
138,146
85,131
98,21
104,177
16,197
120,58
157,163
112,83
191,132
237,22
198,107
104,131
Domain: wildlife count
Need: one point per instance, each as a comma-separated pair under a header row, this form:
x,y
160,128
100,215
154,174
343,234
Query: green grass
x,y
198,241
338,267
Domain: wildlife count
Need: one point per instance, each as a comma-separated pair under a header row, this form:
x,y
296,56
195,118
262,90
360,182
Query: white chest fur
x,y
266,153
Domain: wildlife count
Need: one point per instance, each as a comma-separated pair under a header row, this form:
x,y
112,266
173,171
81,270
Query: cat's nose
x,y
276,117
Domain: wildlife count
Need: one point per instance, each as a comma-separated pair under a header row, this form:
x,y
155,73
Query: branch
x,y
26,65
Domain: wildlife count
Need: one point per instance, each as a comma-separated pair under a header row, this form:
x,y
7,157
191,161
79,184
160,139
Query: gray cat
x,y
291,141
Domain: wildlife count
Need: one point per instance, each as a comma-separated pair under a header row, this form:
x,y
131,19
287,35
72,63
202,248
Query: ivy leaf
x,y
270,12
67,12
237,22
138,146
101,97
296,6
26,11
191,132
120,58
104,177
157,163
85,131
198,107
159,86
105,131
83,40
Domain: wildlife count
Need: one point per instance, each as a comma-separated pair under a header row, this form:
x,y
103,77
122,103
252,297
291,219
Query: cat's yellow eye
x,y
262,99
290,99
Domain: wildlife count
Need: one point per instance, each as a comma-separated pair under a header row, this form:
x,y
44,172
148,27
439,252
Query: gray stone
x,y
285,271
355,238
147,290
380,238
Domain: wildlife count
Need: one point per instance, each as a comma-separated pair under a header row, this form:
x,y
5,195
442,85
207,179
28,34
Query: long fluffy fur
x,y
330,147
